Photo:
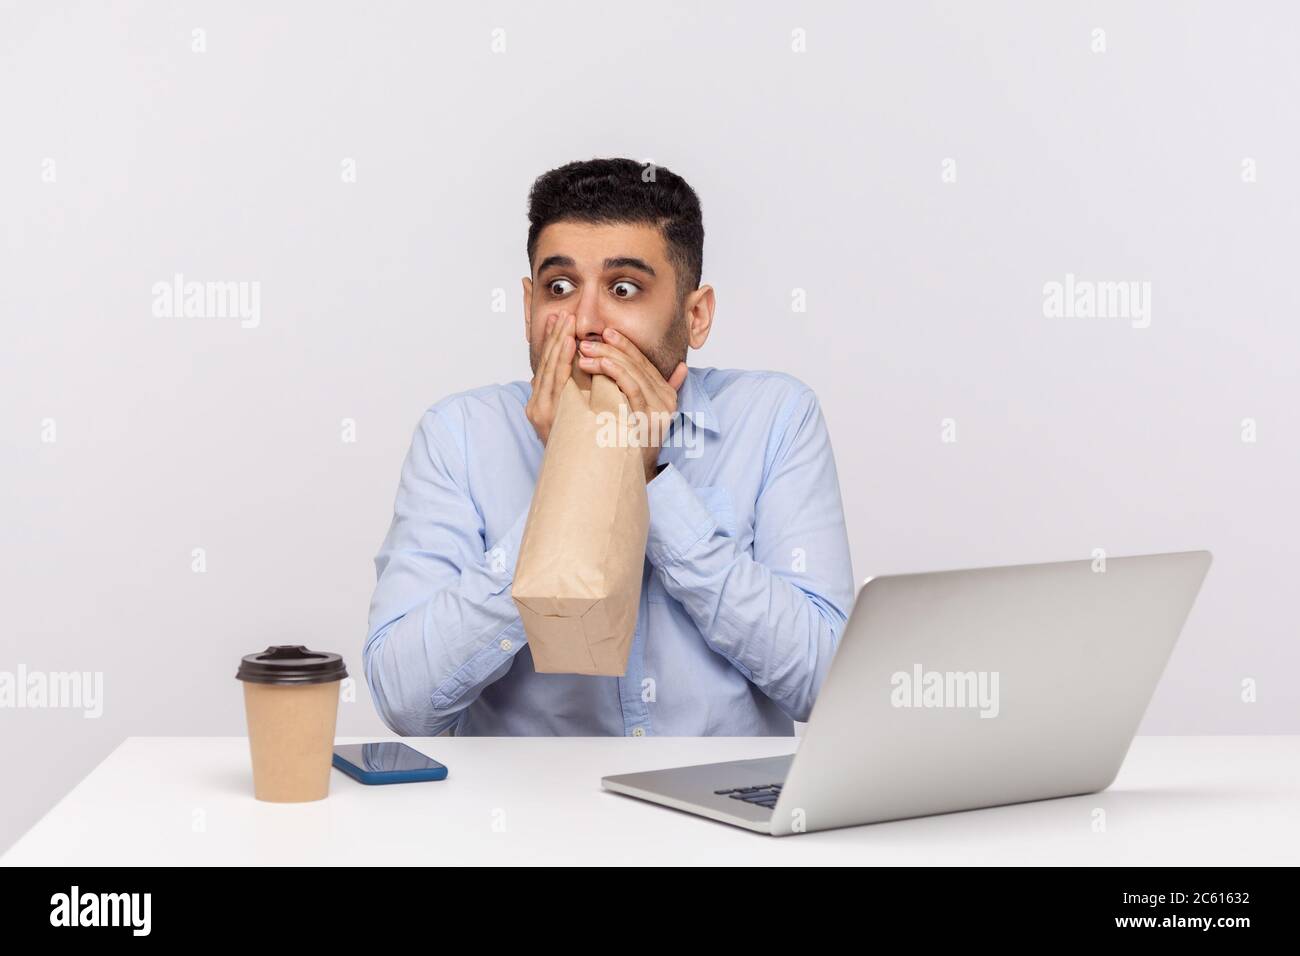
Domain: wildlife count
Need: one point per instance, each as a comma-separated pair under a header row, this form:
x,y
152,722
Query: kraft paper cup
x,y
291,698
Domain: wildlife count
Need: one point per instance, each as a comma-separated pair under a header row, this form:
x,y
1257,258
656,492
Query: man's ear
x,y
699,315
528,307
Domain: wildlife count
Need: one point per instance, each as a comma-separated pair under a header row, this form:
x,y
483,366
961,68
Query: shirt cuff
x,y
679,520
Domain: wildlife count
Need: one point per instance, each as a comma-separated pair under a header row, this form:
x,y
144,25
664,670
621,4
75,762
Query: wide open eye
x,y
625,289
562,291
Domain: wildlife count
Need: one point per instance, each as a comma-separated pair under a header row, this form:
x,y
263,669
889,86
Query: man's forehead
x,y
589,243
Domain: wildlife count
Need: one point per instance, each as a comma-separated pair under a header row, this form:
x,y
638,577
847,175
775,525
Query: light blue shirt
x,y
746,588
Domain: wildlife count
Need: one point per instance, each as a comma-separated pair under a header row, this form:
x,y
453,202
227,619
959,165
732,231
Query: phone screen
x,y
386,756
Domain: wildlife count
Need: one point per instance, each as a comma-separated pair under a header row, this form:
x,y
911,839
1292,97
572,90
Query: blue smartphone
x,y
386,762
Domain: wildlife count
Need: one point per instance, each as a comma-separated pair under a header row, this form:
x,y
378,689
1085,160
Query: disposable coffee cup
x,y
291,697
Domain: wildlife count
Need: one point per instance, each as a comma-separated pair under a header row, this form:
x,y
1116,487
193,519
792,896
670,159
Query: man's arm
x,y
442,623
777,615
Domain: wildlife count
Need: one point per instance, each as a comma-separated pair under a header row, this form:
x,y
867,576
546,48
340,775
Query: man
x,y
747,580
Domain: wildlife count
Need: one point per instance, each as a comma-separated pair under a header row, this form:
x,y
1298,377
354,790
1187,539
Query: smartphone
x,y
386,762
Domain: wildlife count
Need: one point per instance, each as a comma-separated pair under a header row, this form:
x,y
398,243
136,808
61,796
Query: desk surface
x,y
188,800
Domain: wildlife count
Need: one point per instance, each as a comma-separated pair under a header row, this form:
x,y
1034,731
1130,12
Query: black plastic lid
x,y
291,664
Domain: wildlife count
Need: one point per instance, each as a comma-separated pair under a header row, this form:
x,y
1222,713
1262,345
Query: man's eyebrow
x,y
629,262
552,261
615,262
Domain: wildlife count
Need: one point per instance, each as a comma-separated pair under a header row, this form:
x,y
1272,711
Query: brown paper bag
x,y
578,577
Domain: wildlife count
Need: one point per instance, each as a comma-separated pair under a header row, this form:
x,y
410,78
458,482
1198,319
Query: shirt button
x,y
638,732
505,644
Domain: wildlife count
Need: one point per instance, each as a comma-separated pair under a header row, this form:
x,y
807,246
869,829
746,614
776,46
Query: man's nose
x,y
590,324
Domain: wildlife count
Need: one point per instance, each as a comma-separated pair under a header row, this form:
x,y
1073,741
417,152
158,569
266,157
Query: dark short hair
x,y
622,191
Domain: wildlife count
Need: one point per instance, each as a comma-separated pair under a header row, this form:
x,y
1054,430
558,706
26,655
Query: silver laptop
x,y
961,689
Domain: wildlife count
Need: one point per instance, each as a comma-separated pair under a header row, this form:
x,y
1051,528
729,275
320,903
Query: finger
x,y
642,394
547,328
554,331
664,395
548,338
676,380
630,382
654,389
568,345
625,345
546,369
560,366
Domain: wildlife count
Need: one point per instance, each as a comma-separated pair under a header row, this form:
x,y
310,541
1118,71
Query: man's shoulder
x,y
481,406
480,412
747,390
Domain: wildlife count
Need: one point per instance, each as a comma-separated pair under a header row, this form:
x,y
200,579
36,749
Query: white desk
x,y
188,800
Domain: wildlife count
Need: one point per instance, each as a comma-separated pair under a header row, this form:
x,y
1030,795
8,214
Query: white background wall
x,y
818,170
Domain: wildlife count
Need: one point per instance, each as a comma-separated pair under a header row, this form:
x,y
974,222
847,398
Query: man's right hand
x,y
554,369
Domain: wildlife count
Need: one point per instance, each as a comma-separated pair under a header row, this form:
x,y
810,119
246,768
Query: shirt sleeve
x,y
442,623
775,613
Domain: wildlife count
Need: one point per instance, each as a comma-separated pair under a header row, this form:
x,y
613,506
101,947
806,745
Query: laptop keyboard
x,y
764,795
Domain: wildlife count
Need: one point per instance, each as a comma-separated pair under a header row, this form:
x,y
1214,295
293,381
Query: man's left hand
x,y
647,391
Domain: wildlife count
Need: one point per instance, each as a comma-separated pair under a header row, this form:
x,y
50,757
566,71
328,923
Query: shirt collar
x,y
693,402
